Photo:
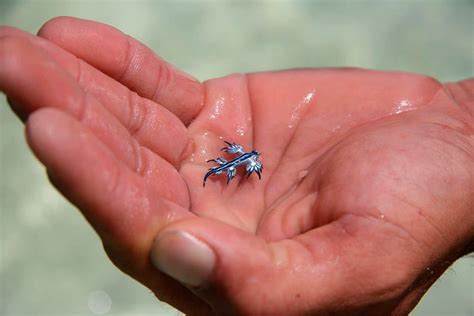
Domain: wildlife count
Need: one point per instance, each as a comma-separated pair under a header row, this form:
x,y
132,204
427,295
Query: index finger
x,y
128,61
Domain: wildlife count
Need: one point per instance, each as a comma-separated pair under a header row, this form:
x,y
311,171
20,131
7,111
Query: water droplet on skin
x,y
344,124
336,128
198,149
298,110
217,108
240,131
402,106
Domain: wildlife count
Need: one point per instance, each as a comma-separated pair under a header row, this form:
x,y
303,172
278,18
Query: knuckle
x,y
126,61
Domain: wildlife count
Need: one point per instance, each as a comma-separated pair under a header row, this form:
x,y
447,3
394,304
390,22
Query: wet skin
x,y
367,192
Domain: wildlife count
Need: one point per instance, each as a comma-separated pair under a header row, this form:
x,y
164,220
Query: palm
x,y
357,164
316,145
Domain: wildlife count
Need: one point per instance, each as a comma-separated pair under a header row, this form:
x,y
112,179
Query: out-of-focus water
x,y
52,263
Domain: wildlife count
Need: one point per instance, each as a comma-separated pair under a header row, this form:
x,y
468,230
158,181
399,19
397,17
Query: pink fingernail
x,y
183,257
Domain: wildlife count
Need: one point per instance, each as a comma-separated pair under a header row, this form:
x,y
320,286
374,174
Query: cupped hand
x,y
365,199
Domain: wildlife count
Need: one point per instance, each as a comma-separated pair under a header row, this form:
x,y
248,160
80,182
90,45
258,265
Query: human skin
x,y
366,196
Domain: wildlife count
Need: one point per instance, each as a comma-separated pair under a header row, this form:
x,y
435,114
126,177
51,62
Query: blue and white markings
x,y
248,159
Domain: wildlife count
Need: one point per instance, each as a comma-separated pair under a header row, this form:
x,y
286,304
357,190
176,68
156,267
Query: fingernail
x,y
183,257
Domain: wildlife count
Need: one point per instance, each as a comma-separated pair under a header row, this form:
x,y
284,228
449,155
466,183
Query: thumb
x,y
239,272
196,252
215,260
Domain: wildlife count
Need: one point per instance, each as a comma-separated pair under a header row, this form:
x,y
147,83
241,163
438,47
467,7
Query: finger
x,y
143,118
114,199
128,61
223,264
23,66
118,203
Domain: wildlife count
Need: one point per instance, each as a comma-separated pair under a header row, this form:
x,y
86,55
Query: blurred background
x,y
52,263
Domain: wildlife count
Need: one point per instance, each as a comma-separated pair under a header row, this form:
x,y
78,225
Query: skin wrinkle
x,y
184,158
126,61
468,103
404,233
448,89
137,112
79,75
403,282
464,128
423,214
203,100
79,110
289,219
463,151
285,149
137,152
82,108
252,103
457,146
304,244
294,187
252,114
188,152
308,217
163,78
91,125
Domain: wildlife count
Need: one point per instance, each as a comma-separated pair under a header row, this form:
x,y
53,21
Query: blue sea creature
x,y
248,159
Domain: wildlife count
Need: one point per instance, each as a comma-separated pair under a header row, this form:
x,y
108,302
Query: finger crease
x,y
137,113
139,167
163,78
127,60
81,108
79,72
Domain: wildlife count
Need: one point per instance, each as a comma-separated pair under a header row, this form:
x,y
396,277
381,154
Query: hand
x,y
365,199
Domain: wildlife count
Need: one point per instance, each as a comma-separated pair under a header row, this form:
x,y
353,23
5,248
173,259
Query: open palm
x,y
365,198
